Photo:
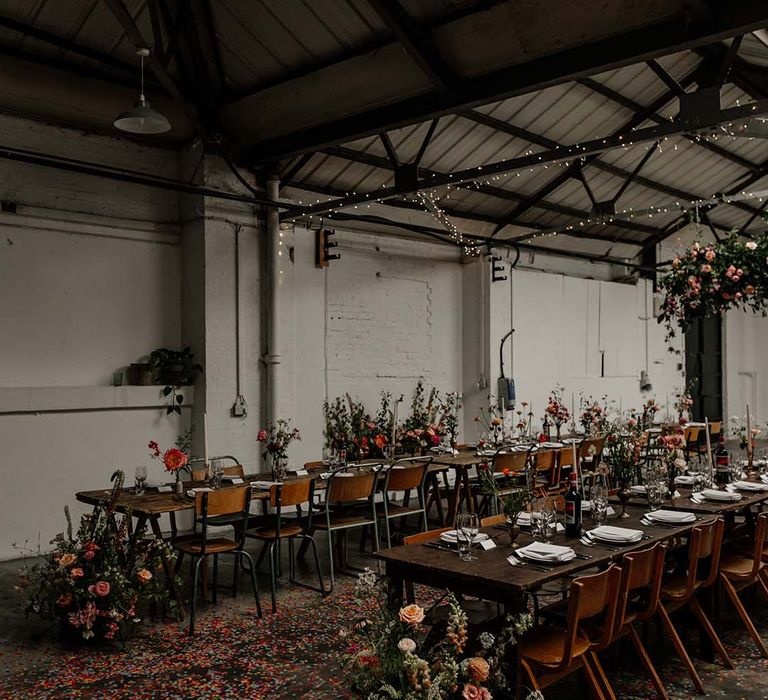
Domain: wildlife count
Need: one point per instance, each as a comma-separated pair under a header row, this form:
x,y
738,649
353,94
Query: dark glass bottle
x,y
573,509
722,472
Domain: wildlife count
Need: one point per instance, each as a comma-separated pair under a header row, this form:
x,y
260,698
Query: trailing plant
x,y
174,368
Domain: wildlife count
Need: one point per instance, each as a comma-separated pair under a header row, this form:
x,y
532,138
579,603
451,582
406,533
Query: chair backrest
x,y
492,520
234,501
544,460
591,596
291,493
761,530
351,488
425,536
565,457
710,545
641,573
715,427
513,461
200,473
691,435
591,447
403,477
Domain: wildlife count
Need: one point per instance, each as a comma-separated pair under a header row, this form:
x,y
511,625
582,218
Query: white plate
x,y
450,536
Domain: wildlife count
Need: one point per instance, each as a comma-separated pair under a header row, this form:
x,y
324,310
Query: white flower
x,y
751,245
406,645
680,463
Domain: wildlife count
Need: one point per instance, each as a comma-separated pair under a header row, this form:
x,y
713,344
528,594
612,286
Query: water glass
x,y
467,527
700,480
544,520
217,471
599,503
654,490
140,479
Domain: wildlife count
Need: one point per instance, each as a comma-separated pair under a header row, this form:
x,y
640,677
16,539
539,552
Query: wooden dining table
x,y
491,577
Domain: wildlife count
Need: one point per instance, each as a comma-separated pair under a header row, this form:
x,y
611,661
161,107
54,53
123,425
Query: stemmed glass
x,y
599,504
655,494
217,471
140,479
467,527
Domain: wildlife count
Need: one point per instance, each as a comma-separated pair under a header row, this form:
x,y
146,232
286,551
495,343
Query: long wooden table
x,y
493,578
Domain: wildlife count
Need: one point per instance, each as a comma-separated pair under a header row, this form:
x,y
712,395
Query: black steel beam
x,y
633,175
390,149
761,210
426,141
416,42
729,58
733,17
301,161
665,77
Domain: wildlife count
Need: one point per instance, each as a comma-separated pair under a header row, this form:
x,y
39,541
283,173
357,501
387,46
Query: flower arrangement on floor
x,y
706,280
556,410
174,460
93,583
394,655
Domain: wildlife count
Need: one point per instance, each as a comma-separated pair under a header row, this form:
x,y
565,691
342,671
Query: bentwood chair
x,y
505,462
679,590
739,571
549,653
545,467
638,601
343,509
208,504
405,475
691,437
272,529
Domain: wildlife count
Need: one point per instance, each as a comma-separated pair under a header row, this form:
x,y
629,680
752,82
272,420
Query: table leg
x,y
170,576
141,522
468,491
455,497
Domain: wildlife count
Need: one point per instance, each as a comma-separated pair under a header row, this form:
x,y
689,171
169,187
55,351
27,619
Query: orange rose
x,y
174,459
412,615
478,669
77,572
144,575
67,559
64,600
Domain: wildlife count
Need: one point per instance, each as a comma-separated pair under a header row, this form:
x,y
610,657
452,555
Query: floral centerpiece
x,y
739,432
337,424
706,280
450,407
276,438
513,492
174,460
556,410
93,584
623,443
672,442
491,423
593,416
683,406
650,409
394,655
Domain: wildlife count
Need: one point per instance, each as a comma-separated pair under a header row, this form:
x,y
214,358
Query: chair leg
x,y
661,690
235,576
744,615
592,679
253,581
330,556
291,563
710,630
215,578
273,574
681,651
597,668
193,604
531,677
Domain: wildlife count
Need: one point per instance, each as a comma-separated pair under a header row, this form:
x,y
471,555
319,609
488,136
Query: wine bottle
x,y
722,473
573,509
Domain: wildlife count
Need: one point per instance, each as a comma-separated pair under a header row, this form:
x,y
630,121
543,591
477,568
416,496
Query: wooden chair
x,y
565,461
679,590
405,475
272,529
691,437
511,463
201,473
739,571
492,520
315,465
213,503
546,468
341,510
548,654
638,600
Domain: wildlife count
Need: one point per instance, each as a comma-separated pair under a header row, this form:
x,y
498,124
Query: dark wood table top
x,y
684,502
492,577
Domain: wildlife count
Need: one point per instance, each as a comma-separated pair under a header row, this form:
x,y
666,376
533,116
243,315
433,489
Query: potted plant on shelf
x,y
174,369
94,582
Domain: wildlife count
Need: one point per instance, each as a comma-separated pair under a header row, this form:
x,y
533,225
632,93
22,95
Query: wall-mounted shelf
x,y
43,399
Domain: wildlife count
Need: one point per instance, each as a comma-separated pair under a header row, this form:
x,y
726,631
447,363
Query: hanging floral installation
x,y
706,280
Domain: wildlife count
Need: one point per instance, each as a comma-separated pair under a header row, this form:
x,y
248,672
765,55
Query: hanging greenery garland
x,y
706,280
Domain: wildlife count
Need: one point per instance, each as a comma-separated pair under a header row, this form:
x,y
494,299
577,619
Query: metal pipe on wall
x,y
272,357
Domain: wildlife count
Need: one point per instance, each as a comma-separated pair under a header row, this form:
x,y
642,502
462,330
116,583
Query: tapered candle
x,y
666,409
573,408
709,449
394,429
749,437
205,442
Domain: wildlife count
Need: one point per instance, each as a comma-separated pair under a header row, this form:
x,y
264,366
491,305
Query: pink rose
x,y
474,692
262,436
99,589
89,554
710,255
706,268
77,572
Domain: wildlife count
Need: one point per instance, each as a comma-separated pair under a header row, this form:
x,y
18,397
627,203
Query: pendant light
x,y
141,118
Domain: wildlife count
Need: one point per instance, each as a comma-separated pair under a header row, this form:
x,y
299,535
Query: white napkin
x,y
609,533
715,495
550,444
671,516
750,486
191,492
486,453
587,505
327,475
542,551
638,488
452,536
264,485
684,480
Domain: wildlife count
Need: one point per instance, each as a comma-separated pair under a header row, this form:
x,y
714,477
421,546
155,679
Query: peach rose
x,y
100,589
412,615
474,692
67,559
478,669
77,572
751,245
144,575
64,600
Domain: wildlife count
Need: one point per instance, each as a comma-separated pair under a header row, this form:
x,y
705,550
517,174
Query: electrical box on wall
x,y
505,390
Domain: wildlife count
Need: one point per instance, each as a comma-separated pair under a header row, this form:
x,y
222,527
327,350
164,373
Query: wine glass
x,y
549,520
217,471
654,492
467,527
140,478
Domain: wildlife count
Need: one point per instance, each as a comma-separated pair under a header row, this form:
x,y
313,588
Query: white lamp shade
x,y
142,119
